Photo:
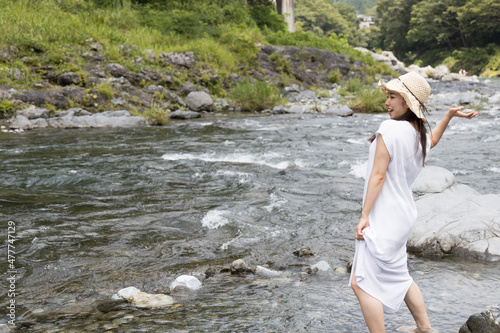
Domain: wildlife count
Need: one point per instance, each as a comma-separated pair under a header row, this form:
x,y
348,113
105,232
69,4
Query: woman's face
x,y
396,105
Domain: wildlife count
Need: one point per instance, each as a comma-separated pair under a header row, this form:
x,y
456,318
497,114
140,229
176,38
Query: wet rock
x,y
187,281
484,322
142,299
150,301
199,101
179,114
321,266
109,306
304,252
266,272
239,267
216,270
185,59
458,221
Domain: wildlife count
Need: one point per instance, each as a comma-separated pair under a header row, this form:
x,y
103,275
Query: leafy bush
x,y
353,85
368,99
282,63
6,108
334,76
155,115
105,89
255,95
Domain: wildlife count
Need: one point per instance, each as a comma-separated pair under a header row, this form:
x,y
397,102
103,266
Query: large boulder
x,y
454,219
199,101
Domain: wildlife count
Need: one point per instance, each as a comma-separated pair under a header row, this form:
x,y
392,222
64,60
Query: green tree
x,y
393,19
480,21
323,18
435,24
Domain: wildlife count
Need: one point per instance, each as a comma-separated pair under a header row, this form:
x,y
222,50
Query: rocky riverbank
x,y
89,97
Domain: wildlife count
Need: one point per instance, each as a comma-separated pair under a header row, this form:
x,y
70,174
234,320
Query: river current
x,y
98,210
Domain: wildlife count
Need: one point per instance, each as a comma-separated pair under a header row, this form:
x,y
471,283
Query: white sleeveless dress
x,y
380,260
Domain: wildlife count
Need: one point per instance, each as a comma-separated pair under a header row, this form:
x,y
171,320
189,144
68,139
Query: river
x,y
97,210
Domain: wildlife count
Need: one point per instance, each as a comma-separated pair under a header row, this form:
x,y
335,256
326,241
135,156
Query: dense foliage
x,y
432,30
323,18
361,6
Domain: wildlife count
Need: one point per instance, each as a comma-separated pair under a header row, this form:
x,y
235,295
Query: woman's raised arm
x,y
438,131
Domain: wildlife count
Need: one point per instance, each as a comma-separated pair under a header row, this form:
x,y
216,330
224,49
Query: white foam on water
x,y
275,202
215,219
493,138
243,177
358,141
493,169
358,168
266,159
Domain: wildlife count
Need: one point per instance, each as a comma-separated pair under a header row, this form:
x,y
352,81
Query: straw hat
x,y
414,89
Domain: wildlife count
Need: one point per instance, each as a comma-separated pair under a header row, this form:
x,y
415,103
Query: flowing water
x,y
98,210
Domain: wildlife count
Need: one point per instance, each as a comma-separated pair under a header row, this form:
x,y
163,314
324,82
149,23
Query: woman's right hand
x,y
359,231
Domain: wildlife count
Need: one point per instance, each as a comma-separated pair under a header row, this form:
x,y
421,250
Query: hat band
x,y
423,107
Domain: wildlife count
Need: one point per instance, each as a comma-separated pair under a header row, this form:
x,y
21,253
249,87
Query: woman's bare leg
x,y
372,309
415,302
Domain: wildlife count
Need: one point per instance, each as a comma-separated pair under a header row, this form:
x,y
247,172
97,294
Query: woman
x,y
379,276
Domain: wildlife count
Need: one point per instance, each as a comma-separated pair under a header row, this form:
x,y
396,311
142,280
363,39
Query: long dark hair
x,y
411,117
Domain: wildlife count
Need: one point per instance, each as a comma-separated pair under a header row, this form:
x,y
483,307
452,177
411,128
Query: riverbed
x,y
97,210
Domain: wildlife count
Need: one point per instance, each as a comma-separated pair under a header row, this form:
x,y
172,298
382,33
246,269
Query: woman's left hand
x,y
457,112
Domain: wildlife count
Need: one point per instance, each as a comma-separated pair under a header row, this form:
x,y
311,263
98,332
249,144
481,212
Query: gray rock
x,y
199,101
457,221
20,122
340,110
306,94
433,180
292,88
68,78
239,267
188,87
179,114
304,252
185,59
33,113
438,72
39,123
5,95
117,70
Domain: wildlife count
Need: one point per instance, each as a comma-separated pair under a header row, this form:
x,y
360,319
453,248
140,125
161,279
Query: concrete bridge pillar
x,y
287,8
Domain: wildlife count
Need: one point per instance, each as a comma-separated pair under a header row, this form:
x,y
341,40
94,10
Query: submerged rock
x,y
262,271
